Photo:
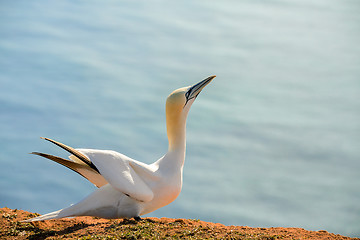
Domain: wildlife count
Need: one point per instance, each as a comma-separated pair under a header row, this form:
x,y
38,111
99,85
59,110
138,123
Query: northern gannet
x,y
128,188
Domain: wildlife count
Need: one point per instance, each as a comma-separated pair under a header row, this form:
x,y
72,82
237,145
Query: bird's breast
x,y
165,192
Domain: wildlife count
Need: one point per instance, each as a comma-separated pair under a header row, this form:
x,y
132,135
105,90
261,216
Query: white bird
x,y
128,188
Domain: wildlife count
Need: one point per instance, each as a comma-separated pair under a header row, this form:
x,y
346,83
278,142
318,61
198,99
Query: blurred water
x,y
273,141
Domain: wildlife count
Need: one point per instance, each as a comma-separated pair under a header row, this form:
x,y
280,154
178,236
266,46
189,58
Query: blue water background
x,y
272,141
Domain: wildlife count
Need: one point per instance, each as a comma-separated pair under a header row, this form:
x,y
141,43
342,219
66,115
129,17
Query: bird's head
x,y
180,100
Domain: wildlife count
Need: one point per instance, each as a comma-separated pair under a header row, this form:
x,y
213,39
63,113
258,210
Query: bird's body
x,y
128,188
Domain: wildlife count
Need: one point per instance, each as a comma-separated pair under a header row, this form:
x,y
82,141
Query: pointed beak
x,y
194,90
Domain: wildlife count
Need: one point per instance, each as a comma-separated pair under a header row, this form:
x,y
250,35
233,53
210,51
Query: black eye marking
x,y
188,95
186,102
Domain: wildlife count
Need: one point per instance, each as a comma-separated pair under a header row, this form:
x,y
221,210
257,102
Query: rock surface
x,y
148,228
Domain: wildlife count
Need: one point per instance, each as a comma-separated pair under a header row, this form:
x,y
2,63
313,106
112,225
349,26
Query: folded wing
x,y
116,168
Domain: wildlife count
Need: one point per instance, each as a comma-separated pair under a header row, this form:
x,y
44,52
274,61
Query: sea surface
x,y
272,141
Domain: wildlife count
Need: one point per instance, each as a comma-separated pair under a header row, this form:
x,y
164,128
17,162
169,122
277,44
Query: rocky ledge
x,y
148,228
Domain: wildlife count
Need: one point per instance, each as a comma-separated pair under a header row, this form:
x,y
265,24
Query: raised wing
x,y
79,156
102,166
78,167
118,171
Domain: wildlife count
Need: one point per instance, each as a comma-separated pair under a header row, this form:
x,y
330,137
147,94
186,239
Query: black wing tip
x,y
71,150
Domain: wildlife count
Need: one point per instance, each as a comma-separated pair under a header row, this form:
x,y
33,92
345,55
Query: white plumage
x,y
128,188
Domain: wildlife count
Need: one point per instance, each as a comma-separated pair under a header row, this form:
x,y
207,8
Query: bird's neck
x,y
176,132
175,157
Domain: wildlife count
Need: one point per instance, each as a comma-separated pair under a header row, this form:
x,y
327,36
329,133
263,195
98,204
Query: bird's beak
x,y
194,90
